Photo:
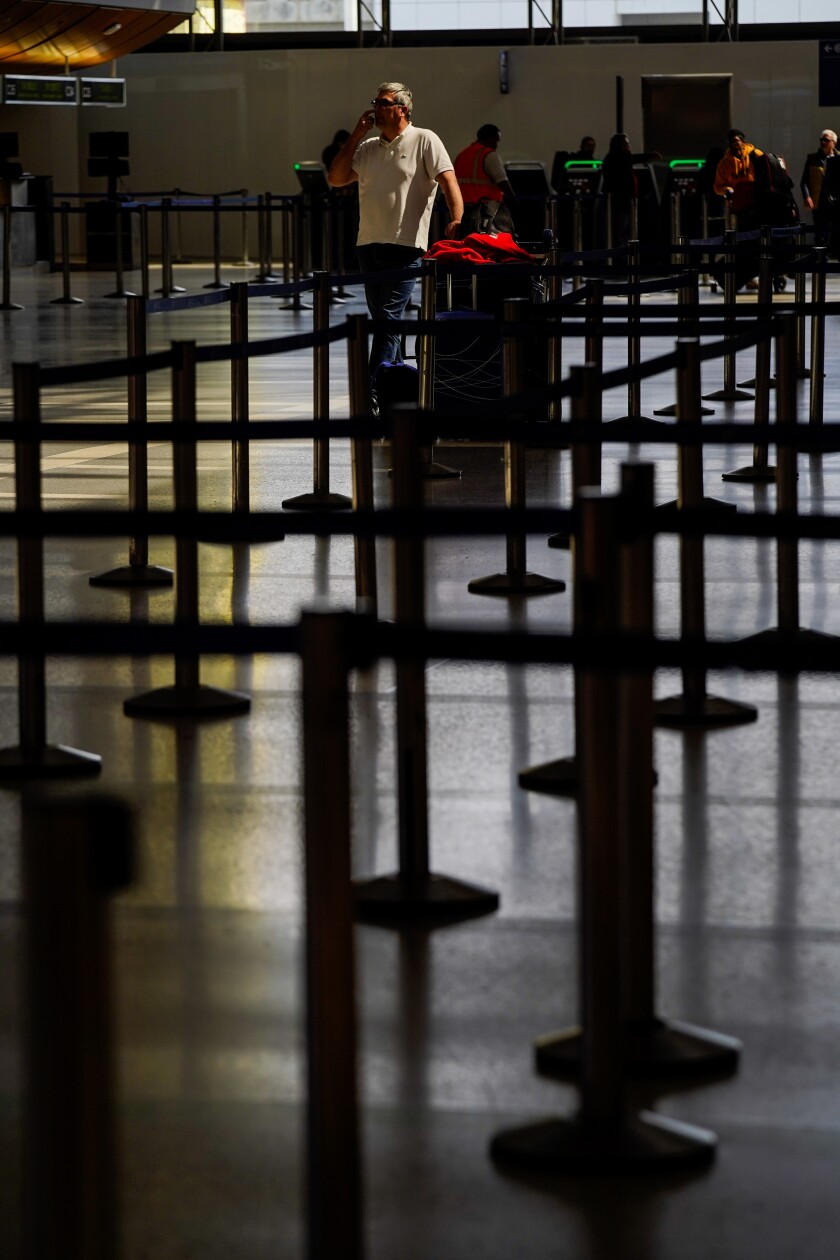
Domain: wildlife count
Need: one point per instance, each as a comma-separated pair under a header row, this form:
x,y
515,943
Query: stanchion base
x,y
124,293
647,422
175,288
433,471
554,778
728,395
323,499
802,636
213,285
750,473
175,701
712,711
69,301
672,411
53,761
134,575
560,541
11,306
391,901
655,1050
646,1142
522,584
711,505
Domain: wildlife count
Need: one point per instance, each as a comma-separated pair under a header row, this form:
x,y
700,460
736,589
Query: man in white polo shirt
x,y
398,172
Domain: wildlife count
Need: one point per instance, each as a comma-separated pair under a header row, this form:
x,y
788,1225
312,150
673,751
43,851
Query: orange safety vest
x,y
471,176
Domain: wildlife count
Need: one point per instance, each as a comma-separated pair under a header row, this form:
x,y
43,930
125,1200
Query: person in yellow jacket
x,y
484,184
735,179
734,173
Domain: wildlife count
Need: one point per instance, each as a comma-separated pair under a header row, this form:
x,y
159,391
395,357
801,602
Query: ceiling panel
x,y
48,33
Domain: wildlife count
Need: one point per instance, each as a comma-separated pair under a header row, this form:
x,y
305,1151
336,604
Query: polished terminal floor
x,y
207,940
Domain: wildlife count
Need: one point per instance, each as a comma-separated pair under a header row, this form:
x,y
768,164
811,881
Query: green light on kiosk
x,y
693,164
297,166
582,165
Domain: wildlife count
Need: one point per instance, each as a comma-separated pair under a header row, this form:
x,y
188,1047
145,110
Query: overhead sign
x,y
103,92
39,89
830,72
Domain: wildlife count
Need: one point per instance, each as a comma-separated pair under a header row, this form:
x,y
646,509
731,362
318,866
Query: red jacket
x,y
472,178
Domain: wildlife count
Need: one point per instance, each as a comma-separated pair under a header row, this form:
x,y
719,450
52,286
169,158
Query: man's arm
x,y
454,200
341,171
722,186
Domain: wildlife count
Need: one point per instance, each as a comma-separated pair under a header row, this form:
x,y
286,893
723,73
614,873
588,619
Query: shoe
x,y
752,285
374,404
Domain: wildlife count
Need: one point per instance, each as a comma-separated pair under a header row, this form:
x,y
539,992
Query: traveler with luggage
x,y
813,175
484,185
399,172
735,175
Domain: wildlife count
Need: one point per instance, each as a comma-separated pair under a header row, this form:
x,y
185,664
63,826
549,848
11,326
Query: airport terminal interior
x,y
207,939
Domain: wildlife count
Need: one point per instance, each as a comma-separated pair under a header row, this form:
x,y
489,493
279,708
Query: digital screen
x,y
689,164
103,91
39,89
580,164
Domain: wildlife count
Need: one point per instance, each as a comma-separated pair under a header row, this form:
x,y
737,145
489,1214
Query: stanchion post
x,y
240,398
560,777
76,852
270,273
167,284
7,304
334,1182
217,282
361,454
787,458
606,1136
587,408
634,336
262,270
426,366
138,571
799,297
414,892
286,242
651,1046
297,248
33,758
244,230
120,290
554,344
759,470
730,392
66,298
516,580
188,696
577,237
694,707
143,213
688,299
321,496
815,411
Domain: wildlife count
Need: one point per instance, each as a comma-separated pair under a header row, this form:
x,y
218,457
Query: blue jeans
x,y
389,299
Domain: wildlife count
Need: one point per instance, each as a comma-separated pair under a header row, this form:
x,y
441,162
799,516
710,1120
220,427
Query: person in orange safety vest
x,y
484,185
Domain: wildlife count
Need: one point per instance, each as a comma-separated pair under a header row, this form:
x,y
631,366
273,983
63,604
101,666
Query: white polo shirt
x,y
397,186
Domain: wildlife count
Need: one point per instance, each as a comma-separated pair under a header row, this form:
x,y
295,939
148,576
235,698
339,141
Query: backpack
x,y
775,205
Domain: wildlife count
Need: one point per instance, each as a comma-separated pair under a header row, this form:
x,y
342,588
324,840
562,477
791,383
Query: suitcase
x,y
396,383
467,363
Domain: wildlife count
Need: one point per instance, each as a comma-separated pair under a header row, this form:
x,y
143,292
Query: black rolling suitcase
x,y
468,363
